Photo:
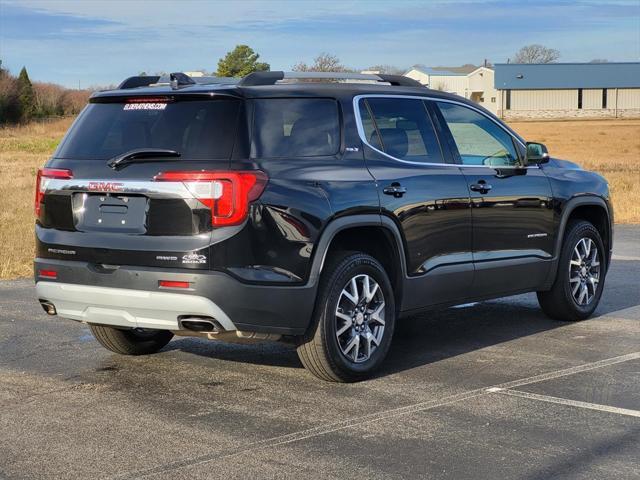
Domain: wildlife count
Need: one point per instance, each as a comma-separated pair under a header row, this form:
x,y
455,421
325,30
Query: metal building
x,y
568,90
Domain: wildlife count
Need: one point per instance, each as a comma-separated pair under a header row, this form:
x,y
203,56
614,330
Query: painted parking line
x,y
626,258
566,401
373,417
568,371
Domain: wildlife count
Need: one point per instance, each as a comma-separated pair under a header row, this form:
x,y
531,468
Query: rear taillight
x,y
45,175
227,194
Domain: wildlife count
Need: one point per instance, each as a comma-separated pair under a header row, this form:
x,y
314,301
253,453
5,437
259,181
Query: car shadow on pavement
x,y
435,335
418,340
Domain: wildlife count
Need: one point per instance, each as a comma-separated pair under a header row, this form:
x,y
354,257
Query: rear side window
x,y
197,129
295,127
403,128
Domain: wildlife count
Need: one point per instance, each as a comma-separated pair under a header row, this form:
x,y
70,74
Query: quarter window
x,y
295,127
402,128
480,141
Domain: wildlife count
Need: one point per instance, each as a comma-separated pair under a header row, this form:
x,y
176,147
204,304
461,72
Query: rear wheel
x,y
131,342
579,281
354,320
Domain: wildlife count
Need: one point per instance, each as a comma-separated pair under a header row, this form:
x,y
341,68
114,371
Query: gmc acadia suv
x,y
317,212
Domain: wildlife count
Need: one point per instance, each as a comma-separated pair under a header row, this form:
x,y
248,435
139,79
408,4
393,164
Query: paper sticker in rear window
x,y
144,106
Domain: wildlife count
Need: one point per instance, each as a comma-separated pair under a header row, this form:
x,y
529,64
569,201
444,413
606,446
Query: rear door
x,y
135,215
513,229
423,193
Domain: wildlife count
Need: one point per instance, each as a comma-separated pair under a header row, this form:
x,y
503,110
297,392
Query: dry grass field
x,y
22,151
607,146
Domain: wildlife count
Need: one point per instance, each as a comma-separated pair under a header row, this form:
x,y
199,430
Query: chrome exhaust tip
x,y
48,307
199,324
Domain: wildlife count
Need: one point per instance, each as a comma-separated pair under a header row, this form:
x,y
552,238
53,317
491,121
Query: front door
x,y
423,193
513,219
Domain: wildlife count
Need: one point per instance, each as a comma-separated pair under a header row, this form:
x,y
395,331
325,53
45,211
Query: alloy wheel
x,y
584,271
360,318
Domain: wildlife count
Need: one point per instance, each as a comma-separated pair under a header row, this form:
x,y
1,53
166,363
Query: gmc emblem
x,y
106,186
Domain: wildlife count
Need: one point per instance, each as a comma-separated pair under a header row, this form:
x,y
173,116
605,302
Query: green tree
x,y
239,62
26,95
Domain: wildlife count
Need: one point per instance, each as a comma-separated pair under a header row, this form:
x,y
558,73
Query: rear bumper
x,y
130,297
127,308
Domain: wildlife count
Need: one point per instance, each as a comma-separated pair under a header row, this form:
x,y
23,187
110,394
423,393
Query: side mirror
x,y
537,153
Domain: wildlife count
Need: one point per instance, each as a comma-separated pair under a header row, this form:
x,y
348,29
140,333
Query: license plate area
x,y
110,213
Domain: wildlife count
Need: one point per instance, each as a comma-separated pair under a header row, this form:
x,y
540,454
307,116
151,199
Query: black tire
x,y
559,302
321,352
131,342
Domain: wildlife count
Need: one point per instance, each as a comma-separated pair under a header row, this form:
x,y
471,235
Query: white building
x,y
475,83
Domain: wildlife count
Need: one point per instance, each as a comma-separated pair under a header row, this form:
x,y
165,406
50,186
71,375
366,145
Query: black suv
x,y
305,210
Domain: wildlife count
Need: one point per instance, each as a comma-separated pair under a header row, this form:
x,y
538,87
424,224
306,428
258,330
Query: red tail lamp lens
x,y
227,194
48,274
173,284
44,176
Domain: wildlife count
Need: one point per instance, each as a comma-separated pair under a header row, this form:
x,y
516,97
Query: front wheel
x,y
131,342
577,289
354,320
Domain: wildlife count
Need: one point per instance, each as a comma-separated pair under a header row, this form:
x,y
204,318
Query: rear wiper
x,y
132,156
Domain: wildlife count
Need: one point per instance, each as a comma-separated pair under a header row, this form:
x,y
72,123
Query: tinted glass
x,y
295,127
370,132
196,129
479,139
405,129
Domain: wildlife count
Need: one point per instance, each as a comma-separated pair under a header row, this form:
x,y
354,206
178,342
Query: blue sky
x,y
101,42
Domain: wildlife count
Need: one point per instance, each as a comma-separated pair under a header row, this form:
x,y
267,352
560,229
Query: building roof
x,y
438,71
532,76
464,70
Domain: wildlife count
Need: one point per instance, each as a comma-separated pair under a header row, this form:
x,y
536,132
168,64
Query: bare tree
x,y
389,69
325,62
536,54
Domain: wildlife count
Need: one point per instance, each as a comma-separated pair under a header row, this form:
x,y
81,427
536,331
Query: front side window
x,y
295,127
401,127
480,141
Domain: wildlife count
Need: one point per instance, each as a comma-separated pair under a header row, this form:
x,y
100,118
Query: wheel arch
x,y
371,234
593,209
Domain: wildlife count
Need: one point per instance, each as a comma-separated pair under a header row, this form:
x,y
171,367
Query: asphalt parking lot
x,y
493,390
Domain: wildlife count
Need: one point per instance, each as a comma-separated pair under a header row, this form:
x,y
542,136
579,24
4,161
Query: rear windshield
x,y
197,129
295,127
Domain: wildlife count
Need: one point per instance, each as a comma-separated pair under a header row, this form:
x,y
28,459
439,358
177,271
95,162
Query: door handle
x,y
481,186
395,189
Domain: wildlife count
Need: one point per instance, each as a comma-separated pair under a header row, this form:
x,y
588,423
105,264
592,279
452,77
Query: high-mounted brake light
x,y
227,194
45,175
147,100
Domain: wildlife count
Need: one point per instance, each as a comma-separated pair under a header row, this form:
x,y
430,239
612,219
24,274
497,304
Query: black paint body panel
x,y
455,245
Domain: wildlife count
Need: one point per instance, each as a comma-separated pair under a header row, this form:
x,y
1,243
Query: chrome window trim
x,y
360,127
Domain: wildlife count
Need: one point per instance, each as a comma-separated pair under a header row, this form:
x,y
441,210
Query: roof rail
x,y
400,80
138,81
271,78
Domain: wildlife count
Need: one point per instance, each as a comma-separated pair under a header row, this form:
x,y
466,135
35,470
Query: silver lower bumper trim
x,y
127,308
